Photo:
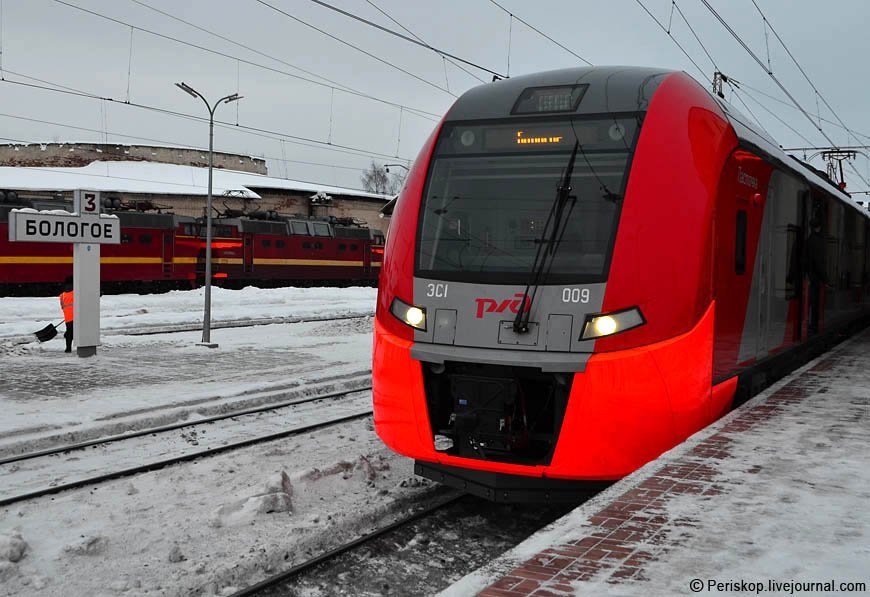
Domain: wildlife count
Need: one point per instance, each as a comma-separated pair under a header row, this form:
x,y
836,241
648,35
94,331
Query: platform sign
x,y
86,229
28,225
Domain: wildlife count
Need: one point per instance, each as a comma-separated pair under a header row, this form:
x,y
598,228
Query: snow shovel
x,y
47,333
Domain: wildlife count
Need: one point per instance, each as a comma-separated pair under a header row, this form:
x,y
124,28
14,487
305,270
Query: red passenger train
x,y
161,252
589,265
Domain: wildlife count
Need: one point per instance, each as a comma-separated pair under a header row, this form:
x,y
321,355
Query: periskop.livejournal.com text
x,y
788,587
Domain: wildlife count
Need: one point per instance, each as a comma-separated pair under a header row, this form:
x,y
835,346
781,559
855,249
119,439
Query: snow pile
x,y
275,496
12,547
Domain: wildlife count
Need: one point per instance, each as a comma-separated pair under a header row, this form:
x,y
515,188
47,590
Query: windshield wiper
x,y
549,242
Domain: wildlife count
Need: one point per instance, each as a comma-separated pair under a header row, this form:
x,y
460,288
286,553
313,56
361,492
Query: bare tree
x,y
397,181
375,179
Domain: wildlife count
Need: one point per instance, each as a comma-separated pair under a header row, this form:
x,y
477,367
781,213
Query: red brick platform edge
x,y
631,527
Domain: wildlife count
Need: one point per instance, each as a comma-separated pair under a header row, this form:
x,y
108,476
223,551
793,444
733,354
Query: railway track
x,y
419,554
77,465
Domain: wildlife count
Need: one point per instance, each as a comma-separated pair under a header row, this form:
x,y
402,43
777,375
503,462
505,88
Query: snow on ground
x,y
25,315
220,522
208,526
48,396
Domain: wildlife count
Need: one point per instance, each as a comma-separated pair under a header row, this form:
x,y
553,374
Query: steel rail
x,y
172,427
182,458
335,552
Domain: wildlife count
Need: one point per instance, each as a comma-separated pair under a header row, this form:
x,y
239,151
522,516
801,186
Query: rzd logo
x,y
488,305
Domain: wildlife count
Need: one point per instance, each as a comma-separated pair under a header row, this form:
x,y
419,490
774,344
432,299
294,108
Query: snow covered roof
x,y
158,179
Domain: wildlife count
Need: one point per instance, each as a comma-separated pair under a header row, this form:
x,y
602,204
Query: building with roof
x,y
182,188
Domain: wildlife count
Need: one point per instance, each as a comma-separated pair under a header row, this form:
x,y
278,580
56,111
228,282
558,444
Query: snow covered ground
x,y
25,315
220,522
211,526
49,397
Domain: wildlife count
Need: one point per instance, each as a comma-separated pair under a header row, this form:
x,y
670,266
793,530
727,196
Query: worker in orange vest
x,y
66,305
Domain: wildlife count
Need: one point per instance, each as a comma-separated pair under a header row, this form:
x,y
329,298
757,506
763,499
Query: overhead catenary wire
x,y
260,132
355,47
150,140
818,93
409,32
781,101
399,35
776,80
676,42
675,6
422,113
541,33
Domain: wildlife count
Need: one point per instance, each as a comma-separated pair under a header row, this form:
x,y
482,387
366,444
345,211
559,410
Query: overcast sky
x,y
48,40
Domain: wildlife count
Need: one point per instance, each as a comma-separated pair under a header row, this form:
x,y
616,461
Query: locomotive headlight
x,y
409,314
607,324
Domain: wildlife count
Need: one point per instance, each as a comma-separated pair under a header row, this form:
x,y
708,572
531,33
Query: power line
x,y
674,39
344,88
776,80
541,33
153,140
785,103
400,36
771,112
839,148
355,47
409,32
260,132
675,6
815,89
761,64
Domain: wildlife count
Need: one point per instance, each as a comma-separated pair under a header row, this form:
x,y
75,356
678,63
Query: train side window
x,y
280,244
126,239
354,247
266,243
318,245
300,228
145,239
342,247
306,245
740,243
321,229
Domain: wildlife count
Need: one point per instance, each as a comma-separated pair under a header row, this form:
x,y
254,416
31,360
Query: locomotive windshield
x,y
491,188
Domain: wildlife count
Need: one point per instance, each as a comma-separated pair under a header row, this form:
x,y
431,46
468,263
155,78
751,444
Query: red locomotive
x,y
587,266
160,251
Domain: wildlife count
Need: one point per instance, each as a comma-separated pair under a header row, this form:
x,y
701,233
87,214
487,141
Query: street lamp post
x,y
206,318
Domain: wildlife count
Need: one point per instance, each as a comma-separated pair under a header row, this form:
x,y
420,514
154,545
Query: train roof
x,y
159,179
613,89
610,89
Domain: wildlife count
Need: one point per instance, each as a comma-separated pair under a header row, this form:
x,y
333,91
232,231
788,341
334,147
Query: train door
x,y
782,228
773,309
168,252
763,272
248,251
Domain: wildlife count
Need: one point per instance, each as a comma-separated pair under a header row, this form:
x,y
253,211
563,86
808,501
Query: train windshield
x,y
491,188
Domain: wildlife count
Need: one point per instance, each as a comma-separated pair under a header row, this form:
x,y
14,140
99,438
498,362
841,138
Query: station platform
x,y
774,498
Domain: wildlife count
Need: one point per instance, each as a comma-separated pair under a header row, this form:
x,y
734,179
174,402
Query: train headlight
x,y
409,314
607,324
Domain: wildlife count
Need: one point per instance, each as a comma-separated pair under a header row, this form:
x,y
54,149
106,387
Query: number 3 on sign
x,y
90,202
575,295
436,290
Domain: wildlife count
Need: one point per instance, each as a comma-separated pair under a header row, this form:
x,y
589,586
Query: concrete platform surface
x,y
774,498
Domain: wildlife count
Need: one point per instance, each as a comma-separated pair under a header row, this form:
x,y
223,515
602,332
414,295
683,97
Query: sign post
x,y
86,228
